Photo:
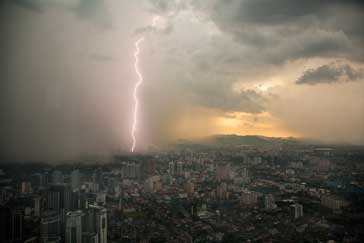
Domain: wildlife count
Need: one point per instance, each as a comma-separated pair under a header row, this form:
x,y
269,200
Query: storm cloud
x,y
210,66
284,30
330,73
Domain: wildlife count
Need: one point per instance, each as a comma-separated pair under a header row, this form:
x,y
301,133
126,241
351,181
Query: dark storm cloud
x,y
267,12
90,10
265,32
33,5
95,11
65,84
330,73
256,38
168,6
286,30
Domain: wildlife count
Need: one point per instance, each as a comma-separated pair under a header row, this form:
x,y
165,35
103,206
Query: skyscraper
x,y
297,210
74,227
223,172
53,200
269,202
5,225
50,227
98,178
153,184
75,180
37,206
57,177
65,195
190,187
249,198
245,175
90,238
179,168
26,187
171,168
99,222
11,225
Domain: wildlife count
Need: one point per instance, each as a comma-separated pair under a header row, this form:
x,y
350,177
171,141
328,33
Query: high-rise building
x,y
222,191
223,172
87,199
50,227
74,227
98,221
123,170
333,202
11,225
138,171
179,168
59,196
53,200
98,178
171,168
33,239
150,167
6,225
57,177
153,184
39,180
255,160
132,170
245,175
90,237
190,187
75,200
297,210
75,180
101,198
26,187
249,198
323,165
269,202
37,206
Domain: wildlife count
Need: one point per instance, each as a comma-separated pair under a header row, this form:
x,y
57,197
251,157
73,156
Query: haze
x,y
275,68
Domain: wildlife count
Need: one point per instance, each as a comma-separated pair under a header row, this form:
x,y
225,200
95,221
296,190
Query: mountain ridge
x,y
244,140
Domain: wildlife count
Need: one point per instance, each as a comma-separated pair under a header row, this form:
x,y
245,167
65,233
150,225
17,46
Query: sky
x,y
274,68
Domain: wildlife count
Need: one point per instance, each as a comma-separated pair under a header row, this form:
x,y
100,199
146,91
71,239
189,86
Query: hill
x,y
237,140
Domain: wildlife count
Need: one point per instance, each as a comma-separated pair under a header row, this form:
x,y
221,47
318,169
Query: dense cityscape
x,y
181,121
275,192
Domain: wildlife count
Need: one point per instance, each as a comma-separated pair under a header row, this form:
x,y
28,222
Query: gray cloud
x,y
94,11
33,5
167,7
66,86
266,12
285,30
330,73
264,33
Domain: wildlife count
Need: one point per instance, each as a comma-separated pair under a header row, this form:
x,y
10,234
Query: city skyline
x,y
181,121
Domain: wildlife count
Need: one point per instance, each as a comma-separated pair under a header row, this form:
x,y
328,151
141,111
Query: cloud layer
x,y
330,73
210,66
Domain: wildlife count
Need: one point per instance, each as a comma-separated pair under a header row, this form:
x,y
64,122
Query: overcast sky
x,y
273,68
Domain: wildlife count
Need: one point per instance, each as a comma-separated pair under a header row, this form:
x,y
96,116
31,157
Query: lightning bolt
x,y
135,94
137,85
